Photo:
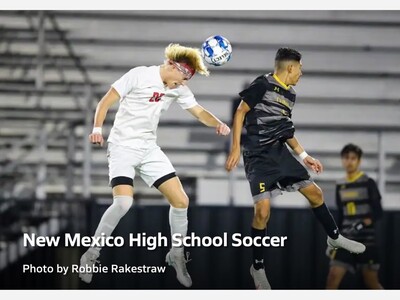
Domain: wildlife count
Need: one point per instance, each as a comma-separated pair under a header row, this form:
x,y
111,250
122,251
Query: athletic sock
x,y
325,218
178,222
112,216
258,252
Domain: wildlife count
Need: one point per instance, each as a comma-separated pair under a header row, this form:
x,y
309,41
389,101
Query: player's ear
x,y
289,67
169,63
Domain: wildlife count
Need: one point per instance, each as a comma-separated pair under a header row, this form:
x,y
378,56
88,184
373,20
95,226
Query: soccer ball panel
x,y
216,50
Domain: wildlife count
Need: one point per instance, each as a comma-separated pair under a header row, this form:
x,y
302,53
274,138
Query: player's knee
x,y
316,193
124,203
316,196
182,201
261,213
122,186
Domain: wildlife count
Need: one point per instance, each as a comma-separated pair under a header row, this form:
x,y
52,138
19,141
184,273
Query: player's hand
x,y
330,252
313,164
222,129
355,228
233,159
96,138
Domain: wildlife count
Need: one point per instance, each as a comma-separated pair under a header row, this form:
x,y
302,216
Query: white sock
x,y
112,215
178,221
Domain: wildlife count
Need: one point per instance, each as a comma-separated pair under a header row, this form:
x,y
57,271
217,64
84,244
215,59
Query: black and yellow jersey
x,y
358,199
269,119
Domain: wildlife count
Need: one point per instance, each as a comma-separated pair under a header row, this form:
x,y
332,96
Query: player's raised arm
x,y
310,162
234,155
145,93
112,96
208,119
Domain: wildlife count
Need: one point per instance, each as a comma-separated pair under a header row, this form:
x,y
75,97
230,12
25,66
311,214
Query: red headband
x,y
187,70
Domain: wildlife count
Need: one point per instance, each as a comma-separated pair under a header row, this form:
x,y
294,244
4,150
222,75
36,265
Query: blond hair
x,y
191,56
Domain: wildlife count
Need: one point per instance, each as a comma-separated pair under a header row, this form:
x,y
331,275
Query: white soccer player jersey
x,y
143,99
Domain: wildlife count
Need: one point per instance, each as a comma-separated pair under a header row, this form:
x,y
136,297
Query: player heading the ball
x,y
144,93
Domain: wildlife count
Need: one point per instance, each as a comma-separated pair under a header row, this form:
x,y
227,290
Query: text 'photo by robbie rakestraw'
x,y
135,240
199,150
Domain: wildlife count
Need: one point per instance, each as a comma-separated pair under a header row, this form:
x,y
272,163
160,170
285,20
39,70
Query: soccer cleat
x,y
88,260
176,258
345,243
260,279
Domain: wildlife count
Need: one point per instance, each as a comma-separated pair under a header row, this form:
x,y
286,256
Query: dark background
x,y
301,264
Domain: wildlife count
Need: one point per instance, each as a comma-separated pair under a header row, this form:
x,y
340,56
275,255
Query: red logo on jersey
x,y
156,97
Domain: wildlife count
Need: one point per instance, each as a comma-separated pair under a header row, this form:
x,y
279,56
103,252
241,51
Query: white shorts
x,y
146,158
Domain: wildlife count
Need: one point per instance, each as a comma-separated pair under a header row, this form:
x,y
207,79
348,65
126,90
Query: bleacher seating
x,y
349,91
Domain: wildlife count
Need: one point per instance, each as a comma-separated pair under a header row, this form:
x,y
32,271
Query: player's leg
x,y
341,262
258,229
172,190
121,180
156,170
369,262
371,279
262,174
122,202
296,178
335,276
315,197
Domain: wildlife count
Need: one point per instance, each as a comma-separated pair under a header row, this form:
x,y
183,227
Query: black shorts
x,y
368,259
274,170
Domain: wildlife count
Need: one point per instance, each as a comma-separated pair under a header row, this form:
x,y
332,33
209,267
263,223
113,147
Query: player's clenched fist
x,y
233,159
313,164
96,137
222,129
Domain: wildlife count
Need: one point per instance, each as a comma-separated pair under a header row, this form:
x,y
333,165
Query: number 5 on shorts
x,y
262,187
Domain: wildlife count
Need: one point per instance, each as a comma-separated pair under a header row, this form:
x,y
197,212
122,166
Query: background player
x,y
266,108
144,94
359,204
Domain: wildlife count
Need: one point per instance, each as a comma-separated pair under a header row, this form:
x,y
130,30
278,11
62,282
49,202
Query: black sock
x,y
325,218
258,252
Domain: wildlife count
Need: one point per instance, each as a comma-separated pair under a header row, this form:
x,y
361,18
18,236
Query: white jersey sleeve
x,y
127,82
186,98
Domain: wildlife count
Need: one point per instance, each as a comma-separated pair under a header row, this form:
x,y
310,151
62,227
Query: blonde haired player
x,y
144,94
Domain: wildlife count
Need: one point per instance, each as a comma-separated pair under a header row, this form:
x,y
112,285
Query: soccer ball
x,y
216,50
